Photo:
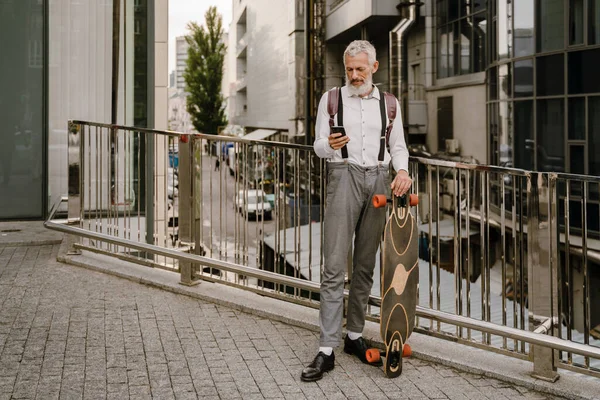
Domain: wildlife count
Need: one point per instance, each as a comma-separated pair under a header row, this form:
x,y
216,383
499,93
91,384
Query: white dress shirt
x,y
362,122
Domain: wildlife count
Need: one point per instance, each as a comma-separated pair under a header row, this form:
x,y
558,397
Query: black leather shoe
x,y
322,363
359,348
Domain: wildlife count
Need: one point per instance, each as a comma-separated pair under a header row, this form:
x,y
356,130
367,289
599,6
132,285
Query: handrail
x,y
479,226
457,320
219,138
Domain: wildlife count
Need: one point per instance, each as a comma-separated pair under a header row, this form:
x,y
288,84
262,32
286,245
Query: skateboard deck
x,y
399,281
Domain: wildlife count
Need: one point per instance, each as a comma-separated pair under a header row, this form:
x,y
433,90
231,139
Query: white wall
x,y
268,99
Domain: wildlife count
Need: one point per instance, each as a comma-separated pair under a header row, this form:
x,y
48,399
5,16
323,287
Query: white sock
x,y
354,335
326,350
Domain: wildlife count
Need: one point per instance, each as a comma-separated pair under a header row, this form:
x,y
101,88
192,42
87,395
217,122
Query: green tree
x,y
204,73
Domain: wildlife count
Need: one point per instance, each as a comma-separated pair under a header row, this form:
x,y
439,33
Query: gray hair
x,y
361,46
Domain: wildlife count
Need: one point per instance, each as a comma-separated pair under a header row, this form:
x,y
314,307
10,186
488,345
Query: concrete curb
x,y
447,353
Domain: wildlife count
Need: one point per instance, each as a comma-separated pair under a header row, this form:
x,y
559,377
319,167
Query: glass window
x,y
21,109
576,22
583,72
523,35
494,131
550,75
550,135
504,75
577,159
478,43
462,28
524,144
504,29
577,118
493,83
551,25
523,78
442,12
465,47
442,54
453,10
453,49
593,21
594,135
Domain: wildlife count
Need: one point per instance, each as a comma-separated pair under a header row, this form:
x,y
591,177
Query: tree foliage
x,y
204,73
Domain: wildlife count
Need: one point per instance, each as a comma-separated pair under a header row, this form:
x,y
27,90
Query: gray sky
x,y
183,11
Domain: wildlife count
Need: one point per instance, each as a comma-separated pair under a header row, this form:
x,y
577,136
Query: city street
x,y
223,225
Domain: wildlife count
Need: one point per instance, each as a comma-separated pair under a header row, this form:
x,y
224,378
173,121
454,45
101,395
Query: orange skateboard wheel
x,y
379,200
414,200
406,350
373,355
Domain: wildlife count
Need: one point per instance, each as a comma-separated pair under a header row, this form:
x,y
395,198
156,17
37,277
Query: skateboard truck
x,y
381,200
375,355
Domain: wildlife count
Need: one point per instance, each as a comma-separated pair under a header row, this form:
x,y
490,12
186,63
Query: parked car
x,y
253,203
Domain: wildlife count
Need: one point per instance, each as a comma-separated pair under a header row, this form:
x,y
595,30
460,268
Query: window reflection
x,y
443,54
577,118
593,21
465,49
493,83
523,140
461,35
551,24
576,22
524,78
551,135
577,158
21,109
594,135
478,44
550,75
504,29
583,72
504,75
523,33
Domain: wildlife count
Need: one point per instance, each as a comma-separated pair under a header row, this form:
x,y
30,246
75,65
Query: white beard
x,y
362,89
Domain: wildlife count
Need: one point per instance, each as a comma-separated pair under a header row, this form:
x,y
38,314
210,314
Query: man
x,y
352,181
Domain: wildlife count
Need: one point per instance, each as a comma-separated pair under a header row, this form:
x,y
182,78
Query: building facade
x,y
59,66
181,56
265,54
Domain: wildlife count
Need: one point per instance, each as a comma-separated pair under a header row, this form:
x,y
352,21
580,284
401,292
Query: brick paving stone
x,y
67,332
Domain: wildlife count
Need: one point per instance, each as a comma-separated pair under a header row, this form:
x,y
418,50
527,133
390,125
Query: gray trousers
x,y
349,213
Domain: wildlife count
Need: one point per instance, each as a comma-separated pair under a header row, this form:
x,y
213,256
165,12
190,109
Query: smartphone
x,y
338,129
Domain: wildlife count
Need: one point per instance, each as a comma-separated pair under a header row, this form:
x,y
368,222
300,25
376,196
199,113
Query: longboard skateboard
x,y
399,282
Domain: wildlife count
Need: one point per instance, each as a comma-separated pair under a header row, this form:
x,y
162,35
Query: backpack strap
x,y
392,110
332,104
335,106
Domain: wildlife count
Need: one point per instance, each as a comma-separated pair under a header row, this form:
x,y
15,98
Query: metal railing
x,y
508,257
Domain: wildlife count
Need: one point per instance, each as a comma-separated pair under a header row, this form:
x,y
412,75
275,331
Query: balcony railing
x,y
508,257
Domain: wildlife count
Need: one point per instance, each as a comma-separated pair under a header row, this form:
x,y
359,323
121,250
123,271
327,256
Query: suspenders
x,y
387,102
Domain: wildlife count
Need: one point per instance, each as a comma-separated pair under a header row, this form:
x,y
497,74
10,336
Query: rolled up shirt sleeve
x,y
398,149
321,145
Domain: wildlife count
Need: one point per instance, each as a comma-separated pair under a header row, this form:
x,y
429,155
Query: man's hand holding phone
x,y
337,138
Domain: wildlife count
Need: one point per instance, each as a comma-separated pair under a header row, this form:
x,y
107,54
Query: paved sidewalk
x,y
68,332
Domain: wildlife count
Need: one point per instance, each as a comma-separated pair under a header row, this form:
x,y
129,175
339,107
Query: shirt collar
x,y
374,93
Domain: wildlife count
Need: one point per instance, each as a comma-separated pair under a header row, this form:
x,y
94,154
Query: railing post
x,y
75,200
186,194
541,270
